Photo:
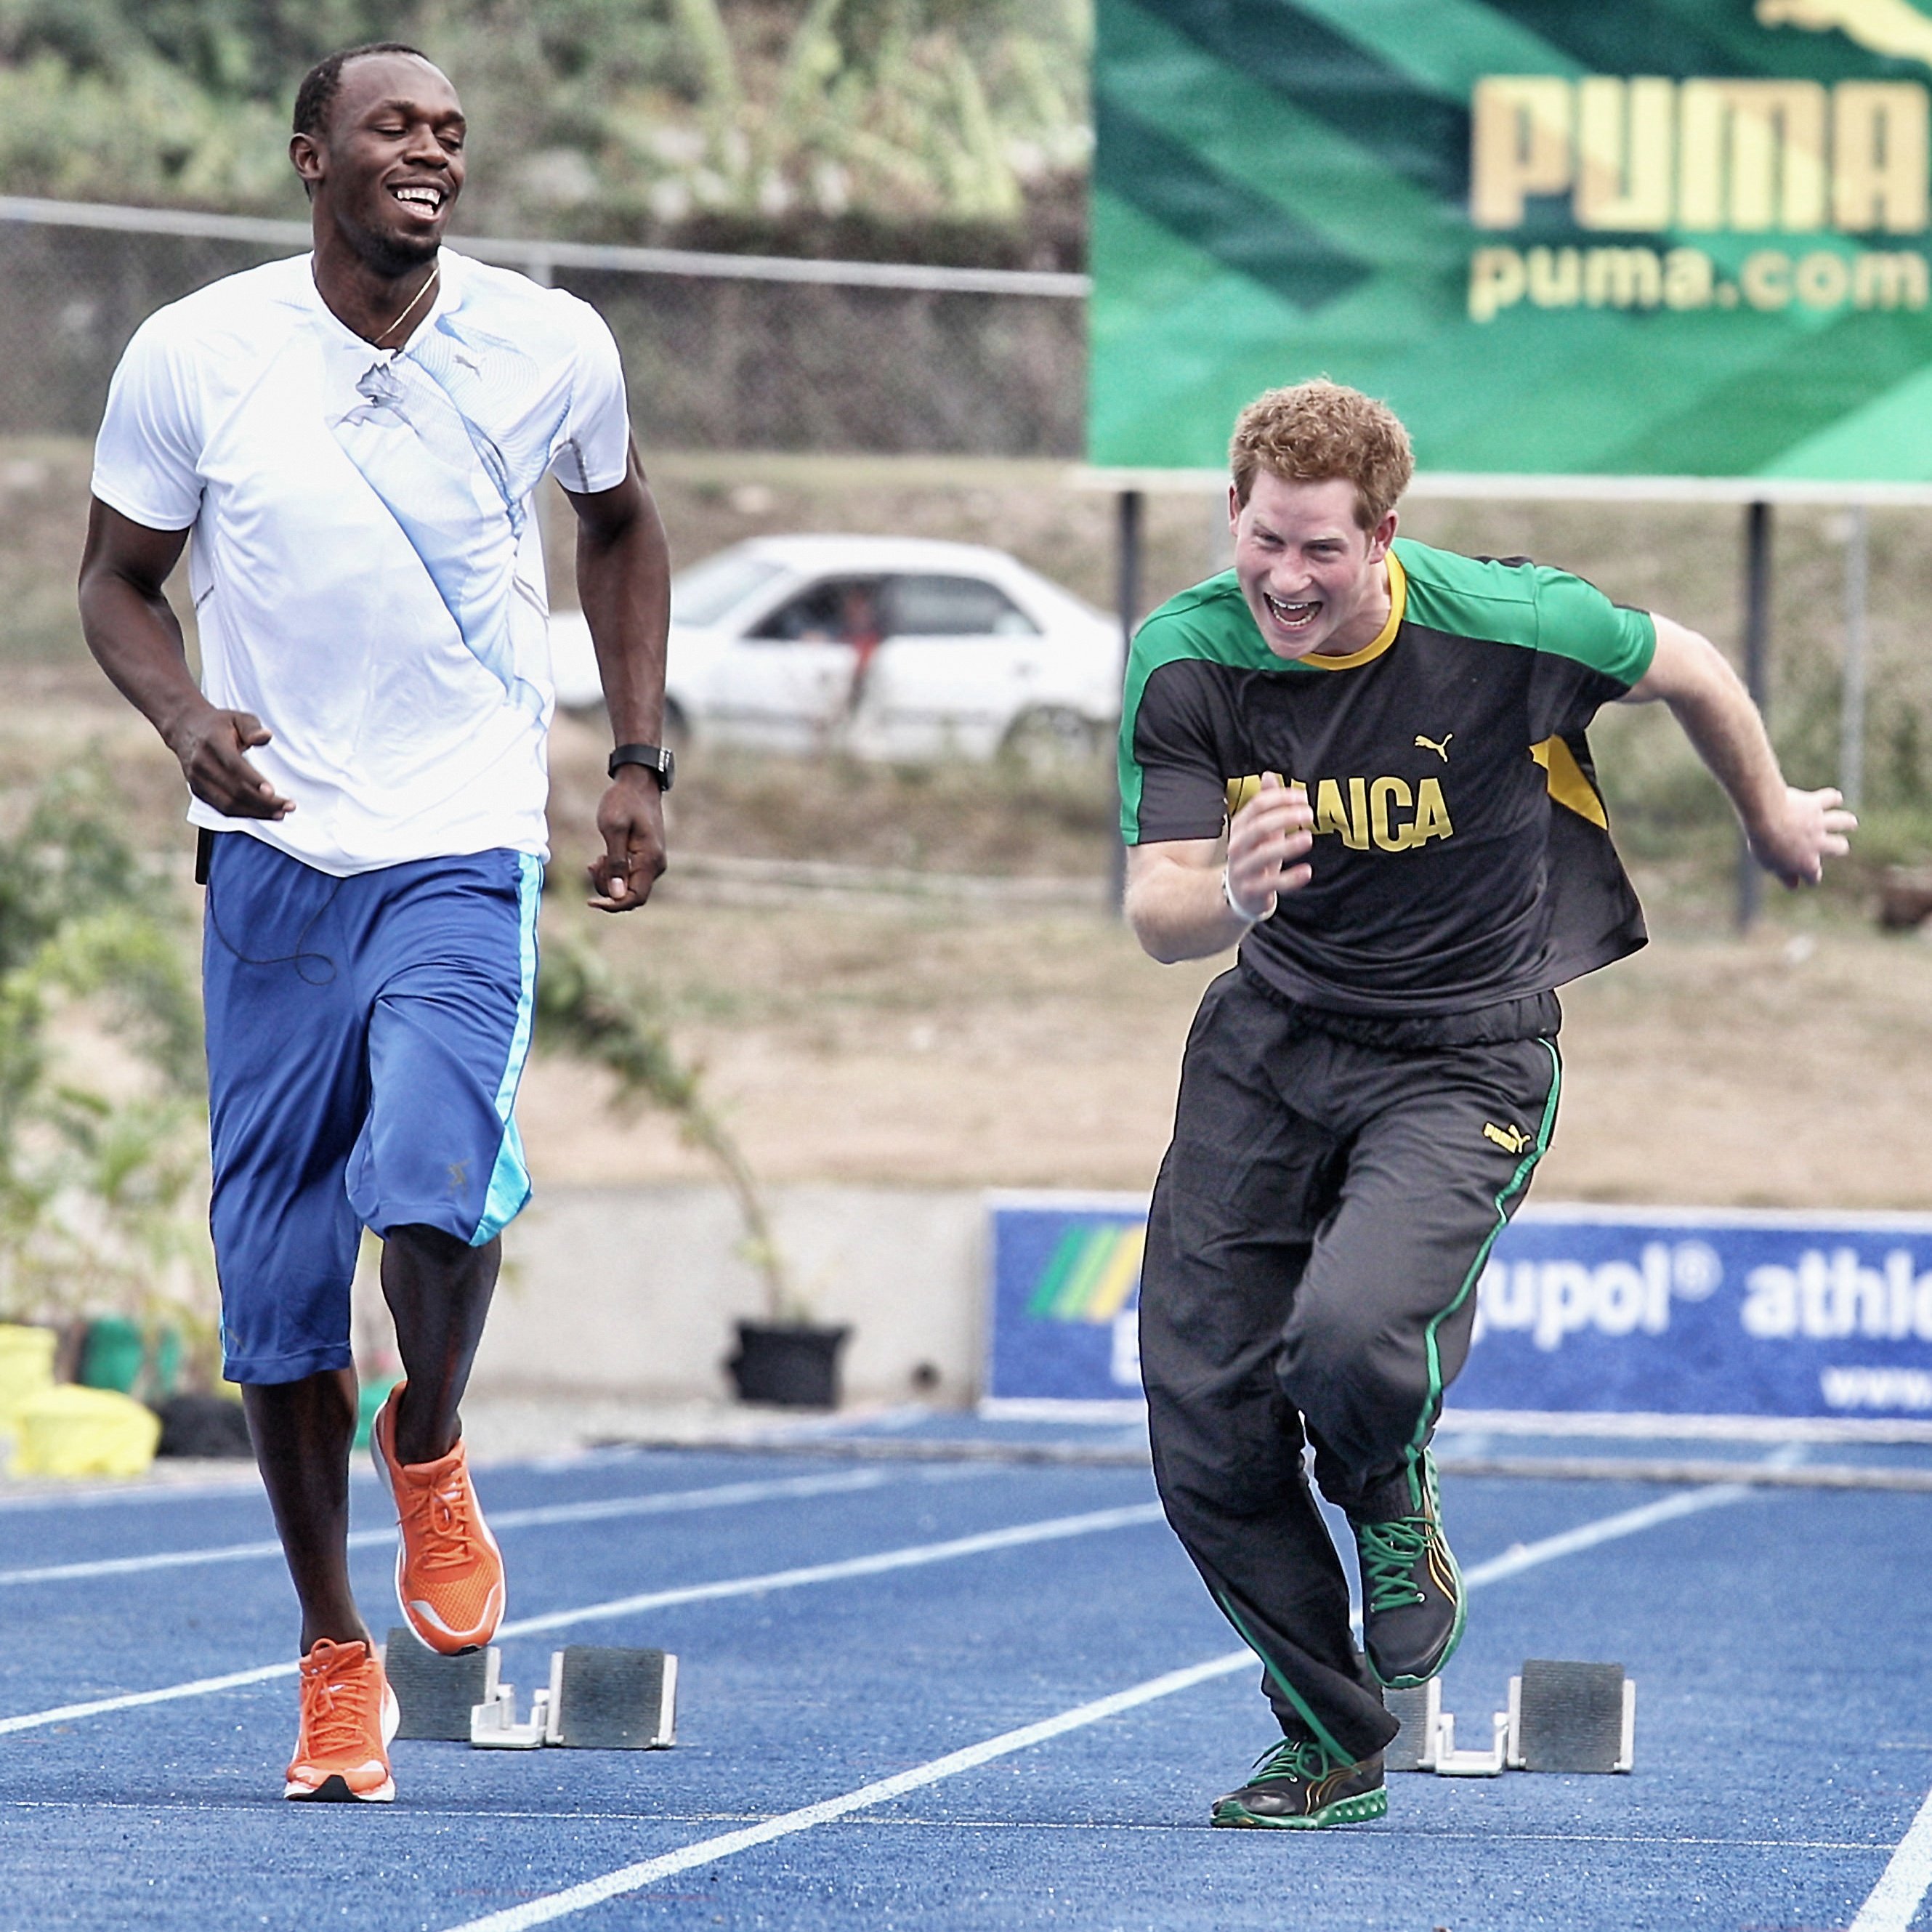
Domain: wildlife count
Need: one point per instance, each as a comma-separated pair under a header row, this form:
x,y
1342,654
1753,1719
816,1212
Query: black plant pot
x,y
793,1363
203,1425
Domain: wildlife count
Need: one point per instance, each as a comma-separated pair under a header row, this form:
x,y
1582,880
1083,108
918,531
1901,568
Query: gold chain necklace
x,y
415,301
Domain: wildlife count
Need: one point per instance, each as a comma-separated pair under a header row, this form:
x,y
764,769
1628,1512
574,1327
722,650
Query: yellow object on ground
x,y
26,1367
72,1431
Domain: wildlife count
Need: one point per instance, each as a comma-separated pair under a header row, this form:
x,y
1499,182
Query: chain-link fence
x,y
722,352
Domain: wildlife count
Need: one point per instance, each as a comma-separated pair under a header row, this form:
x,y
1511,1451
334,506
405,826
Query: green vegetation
x,y
103,1153
948,126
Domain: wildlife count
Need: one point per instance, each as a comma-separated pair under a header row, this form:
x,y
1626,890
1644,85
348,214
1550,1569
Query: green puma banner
x,y
1654,238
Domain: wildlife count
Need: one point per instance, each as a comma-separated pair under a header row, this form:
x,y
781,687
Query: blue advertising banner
x,y
1586,1310
1064,1298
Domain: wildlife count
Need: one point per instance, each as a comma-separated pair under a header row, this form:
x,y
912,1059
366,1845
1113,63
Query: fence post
x,y
1757,628
1128,528
1851,706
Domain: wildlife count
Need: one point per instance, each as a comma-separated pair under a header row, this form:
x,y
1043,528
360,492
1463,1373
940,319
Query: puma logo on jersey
x,y
1441,750
1511,1139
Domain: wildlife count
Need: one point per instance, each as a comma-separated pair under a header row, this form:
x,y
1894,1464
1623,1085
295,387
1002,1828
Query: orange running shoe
x,y
348,1714
449,1572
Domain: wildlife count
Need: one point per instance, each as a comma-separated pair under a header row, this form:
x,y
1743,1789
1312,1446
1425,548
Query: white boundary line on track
x,y
914,1556
1605,1529
719,1496
1053,1529
709,1851
1902,1885
245,1482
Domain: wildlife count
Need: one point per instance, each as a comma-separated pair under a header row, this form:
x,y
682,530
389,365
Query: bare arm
x,y
1175,901
136,639
623,582
1792,832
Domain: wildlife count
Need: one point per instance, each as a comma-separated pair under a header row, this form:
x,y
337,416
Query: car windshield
x,y
702,594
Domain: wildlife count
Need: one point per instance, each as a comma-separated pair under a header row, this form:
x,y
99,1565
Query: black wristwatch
x,y
654,758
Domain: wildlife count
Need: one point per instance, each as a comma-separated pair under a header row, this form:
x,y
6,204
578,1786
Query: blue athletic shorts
x,y
365,1038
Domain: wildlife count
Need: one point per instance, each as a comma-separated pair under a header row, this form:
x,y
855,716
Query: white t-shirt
x,y
365,566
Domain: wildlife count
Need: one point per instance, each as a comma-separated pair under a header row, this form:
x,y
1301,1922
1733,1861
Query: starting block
x,y
436,1694
1419,1713
1427,1739
1572,1717
1577,1718
493,1726
598,1699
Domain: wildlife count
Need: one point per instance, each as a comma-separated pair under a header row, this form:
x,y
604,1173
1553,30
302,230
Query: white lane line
x,y
1902,1886
1606,1529
245,1483
170,1559
1052,1530
721,1495
914,1821
202,1686
709,1851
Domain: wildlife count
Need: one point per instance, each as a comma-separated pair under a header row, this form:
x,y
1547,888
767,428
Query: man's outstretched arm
x,y
623,583
1792,832
136,639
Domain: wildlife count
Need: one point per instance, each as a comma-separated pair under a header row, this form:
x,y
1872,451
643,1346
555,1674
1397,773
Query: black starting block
x,y
1562,1716
434,1694
598,1699
1418,1711
1572,1717
606,1699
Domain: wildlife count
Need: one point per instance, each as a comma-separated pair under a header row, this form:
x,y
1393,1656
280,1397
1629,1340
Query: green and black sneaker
x,y
1302,1786
1413,1603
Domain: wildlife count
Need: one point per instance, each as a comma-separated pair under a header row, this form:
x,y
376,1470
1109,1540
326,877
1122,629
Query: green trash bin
x,y
116,1350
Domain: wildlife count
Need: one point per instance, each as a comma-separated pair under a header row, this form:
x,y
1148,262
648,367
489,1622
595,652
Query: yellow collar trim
x,y
1398,584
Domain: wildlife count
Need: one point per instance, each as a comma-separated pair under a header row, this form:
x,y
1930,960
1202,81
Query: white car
x,y
885,647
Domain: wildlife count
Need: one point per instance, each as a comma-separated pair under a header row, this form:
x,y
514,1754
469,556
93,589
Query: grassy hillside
x,y
952,128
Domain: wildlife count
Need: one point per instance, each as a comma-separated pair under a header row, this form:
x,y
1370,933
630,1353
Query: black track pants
x,y
1312,1250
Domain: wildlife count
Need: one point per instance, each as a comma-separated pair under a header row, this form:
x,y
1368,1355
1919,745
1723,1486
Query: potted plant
x,y
786,1357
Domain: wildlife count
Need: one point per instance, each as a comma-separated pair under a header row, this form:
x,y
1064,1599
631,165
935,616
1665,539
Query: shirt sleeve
x,y
1173,775
147,457
1589,651
594,445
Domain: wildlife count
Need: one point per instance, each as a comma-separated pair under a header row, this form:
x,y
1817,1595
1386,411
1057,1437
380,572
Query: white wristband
x,y
1241,911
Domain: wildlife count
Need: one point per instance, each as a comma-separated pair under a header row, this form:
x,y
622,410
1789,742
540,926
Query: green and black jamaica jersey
x,y
1462,855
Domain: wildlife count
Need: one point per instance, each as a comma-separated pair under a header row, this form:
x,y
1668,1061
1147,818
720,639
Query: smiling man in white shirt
x,y
354,438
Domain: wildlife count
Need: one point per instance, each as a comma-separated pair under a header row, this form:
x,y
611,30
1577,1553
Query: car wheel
x,y
1050,738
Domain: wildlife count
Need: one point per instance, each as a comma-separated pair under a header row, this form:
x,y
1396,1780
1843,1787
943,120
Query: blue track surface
x,y
1779,1639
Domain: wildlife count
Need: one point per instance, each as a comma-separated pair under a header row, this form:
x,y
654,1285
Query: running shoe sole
x,y
1360,1809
